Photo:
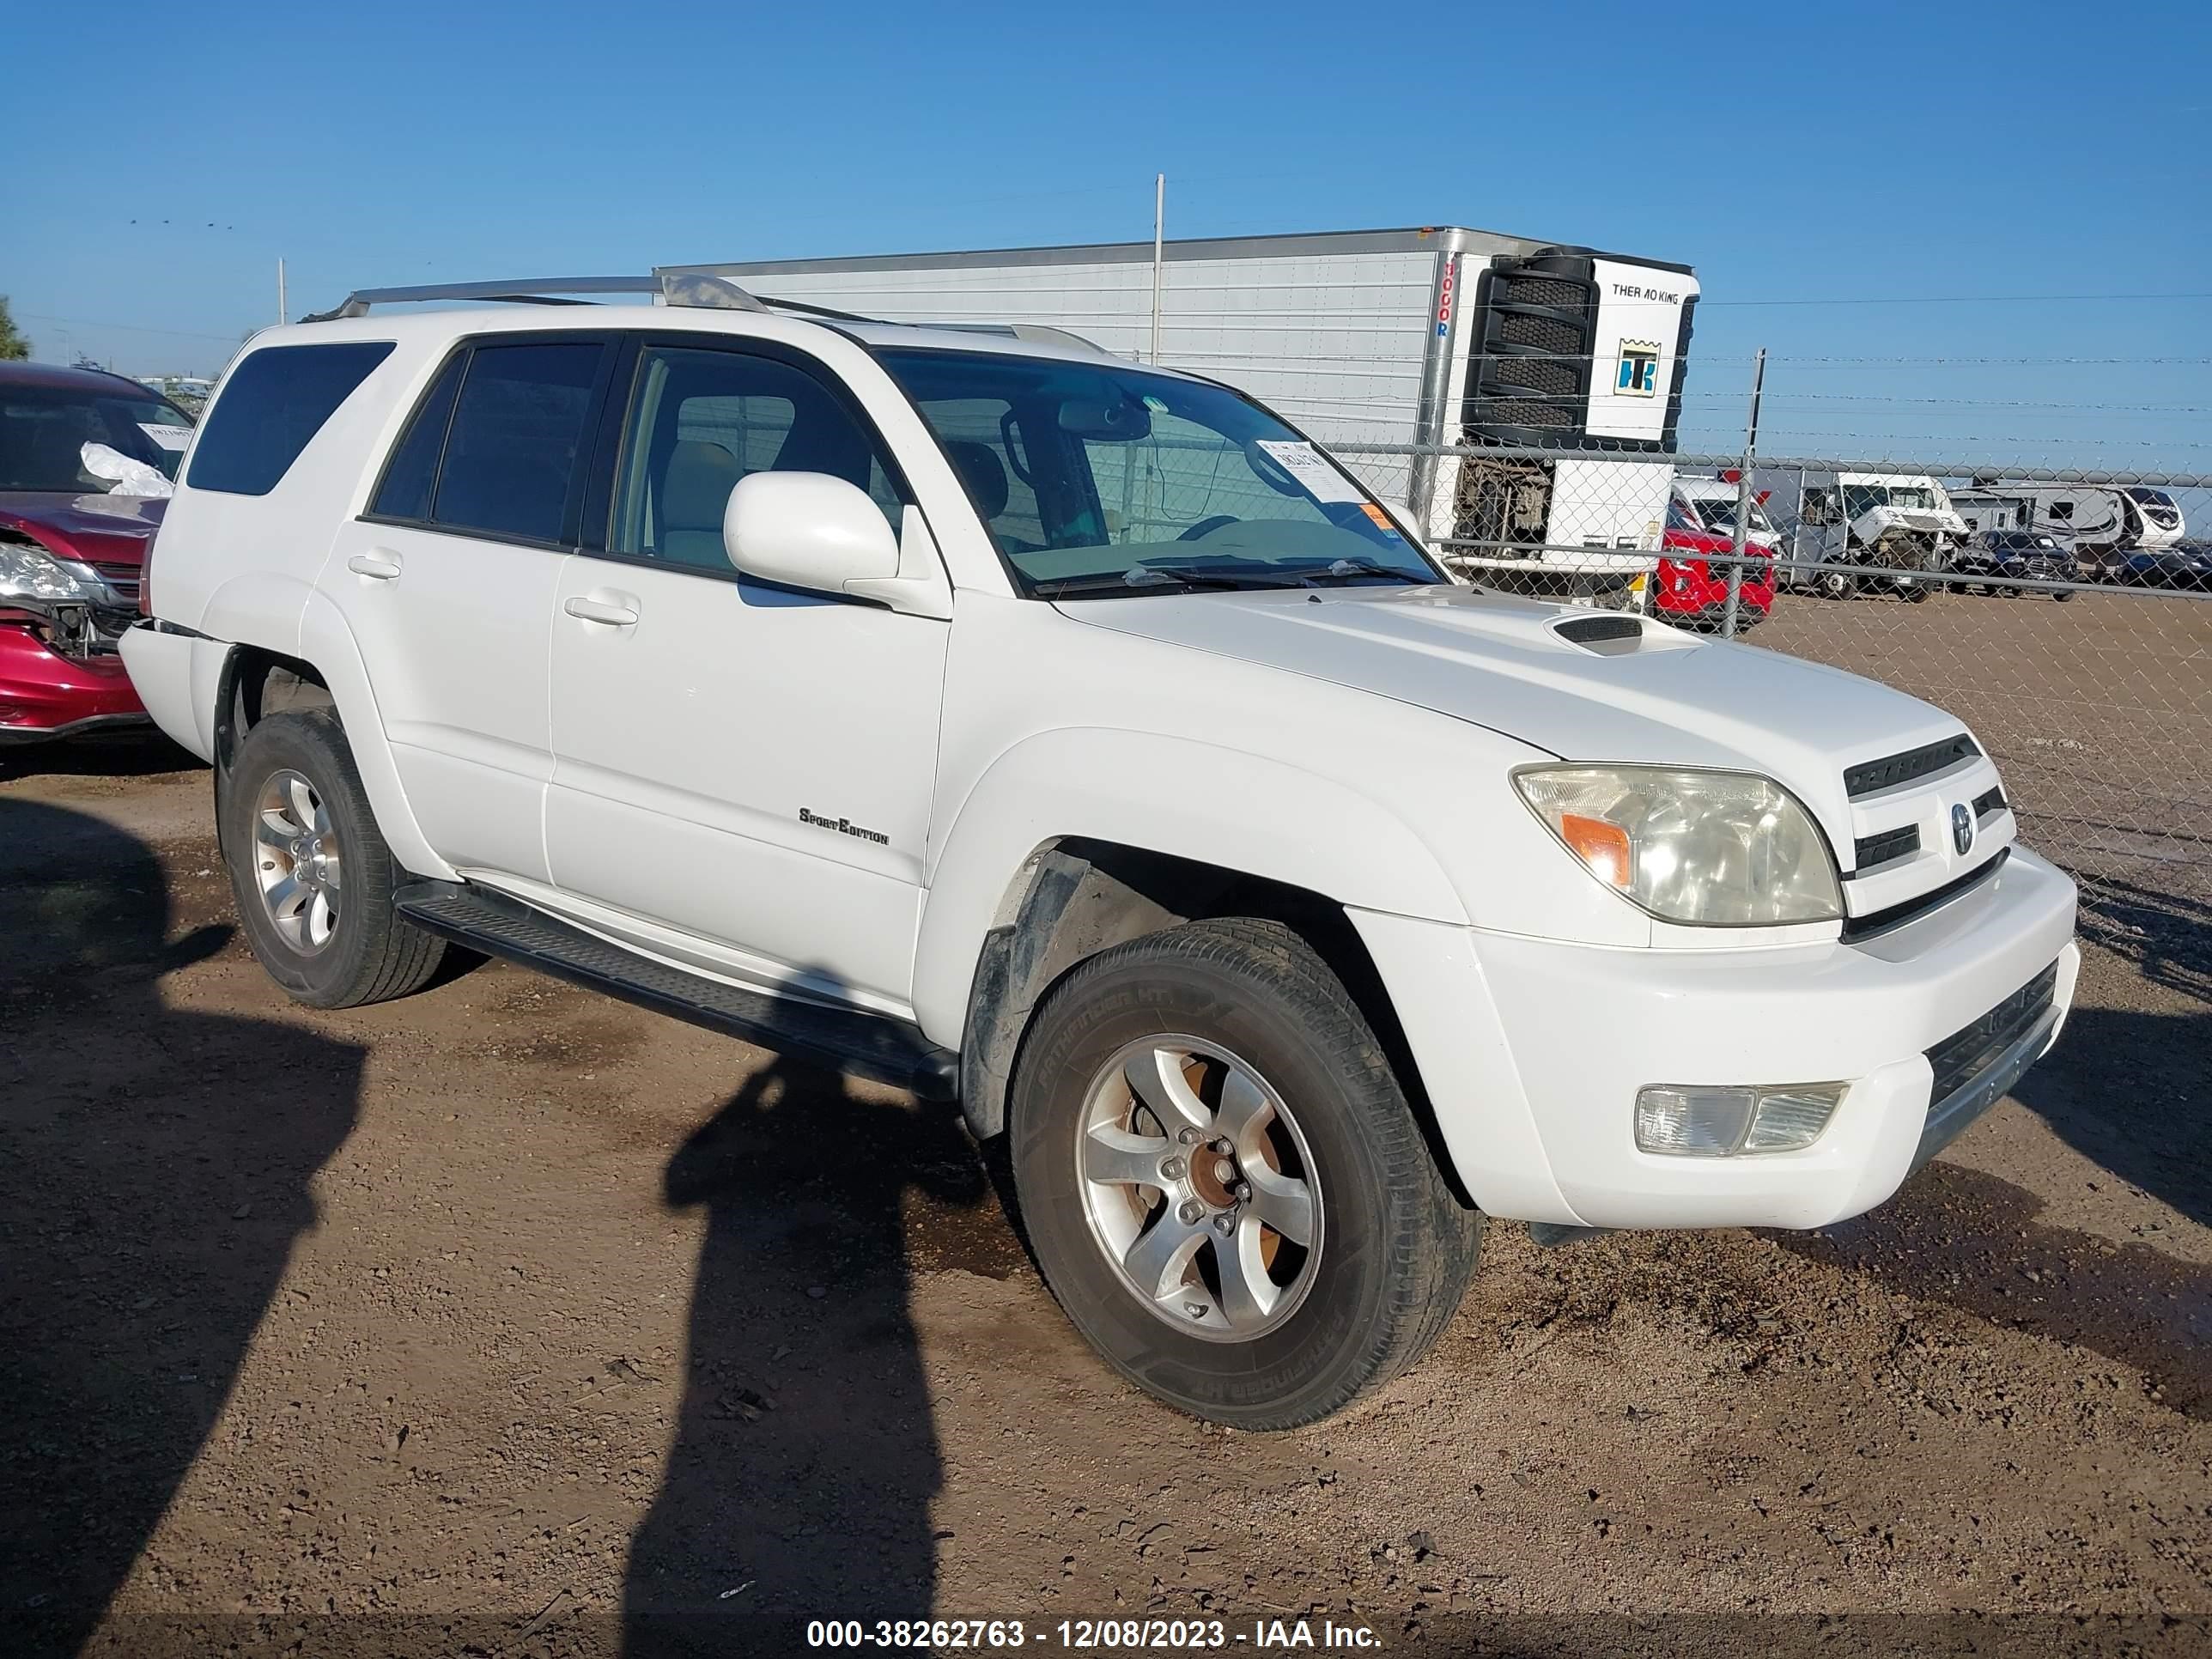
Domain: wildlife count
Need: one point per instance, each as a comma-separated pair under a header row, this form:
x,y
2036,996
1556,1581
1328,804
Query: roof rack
x,y
674,288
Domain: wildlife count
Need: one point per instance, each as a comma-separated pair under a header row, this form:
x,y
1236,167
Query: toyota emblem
x,y
1962,829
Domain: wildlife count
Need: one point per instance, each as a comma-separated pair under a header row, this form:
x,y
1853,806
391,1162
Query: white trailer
x,y
1439,336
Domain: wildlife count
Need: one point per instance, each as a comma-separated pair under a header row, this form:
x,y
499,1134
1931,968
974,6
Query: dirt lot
x,y
508,1319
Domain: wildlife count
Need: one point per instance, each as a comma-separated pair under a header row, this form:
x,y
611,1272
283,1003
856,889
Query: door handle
x,y
602,610
378,565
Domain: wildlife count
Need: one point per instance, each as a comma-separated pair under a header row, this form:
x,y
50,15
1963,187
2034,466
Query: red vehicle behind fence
x,y
1692,582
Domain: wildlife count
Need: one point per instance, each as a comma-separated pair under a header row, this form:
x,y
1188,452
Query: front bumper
x,y
1531,1052
44,695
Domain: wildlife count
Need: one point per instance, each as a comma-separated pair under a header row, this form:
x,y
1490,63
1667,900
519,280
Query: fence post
x,y
1743,501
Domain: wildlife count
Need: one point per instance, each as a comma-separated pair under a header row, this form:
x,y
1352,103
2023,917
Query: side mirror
x,y
808,529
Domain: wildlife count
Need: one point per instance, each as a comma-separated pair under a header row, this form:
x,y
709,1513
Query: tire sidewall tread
x,y
1397,1247
375,954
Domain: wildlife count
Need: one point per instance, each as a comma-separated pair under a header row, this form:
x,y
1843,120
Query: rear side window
x,y
514,448
270,408
412,475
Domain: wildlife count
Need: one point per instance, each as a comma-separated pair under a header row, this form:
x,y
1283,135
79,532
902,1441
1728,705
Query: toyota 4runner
x,y
988,714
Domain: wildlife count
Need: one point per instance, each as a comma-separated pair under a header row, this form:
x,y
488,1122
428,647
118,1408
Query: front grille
x,y
1878,922
1989,803
122,578
1870,850
1893,769
1960,1057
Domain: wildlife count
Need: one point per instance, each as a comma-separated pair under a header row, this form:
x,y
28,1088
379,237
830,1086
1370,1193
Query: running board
x,y
876,1046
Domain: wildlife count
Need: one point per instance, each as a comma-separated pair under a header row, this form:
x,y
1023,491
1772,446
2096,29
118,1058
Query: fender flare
x,y
327,644
1297,827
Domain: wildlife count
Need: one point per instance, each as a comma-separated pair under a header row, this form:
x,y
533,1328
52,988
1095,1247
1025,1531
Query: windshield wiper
x,y
1345,569
1138,578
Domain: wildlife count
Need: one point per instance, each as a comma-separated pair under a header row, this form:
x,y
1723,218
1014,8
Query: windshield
x,y
1718,513
1861,498
44,429
2150,497
1096,475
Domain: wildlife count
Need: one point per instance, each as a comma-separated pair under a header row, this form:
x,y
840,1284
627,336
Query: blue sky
x,y
1815,164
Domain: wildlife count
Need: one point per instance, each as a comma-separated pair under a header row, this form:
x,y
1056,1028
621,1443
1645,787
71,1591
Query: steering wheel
x,y
1206,526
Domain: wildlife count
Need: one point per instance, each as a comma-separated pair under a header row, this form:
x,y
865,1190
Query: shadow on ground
x,y
805,1463
2166,936
132,754
150,1194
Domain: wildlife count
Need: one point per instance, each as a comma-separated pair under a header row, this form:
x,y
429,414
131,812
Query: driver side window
x,y
700,421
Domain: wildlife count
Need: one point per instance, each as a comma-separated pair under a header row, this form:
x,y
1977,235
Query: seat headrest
x,y
701,477
985,474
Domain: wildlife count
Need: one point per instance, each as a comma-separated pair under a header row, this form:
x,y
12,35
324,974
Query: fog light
x,y
1689,1121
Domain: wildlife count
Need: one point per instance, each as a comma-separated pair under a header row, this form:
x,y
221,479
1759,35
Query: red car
x,y
1689,590
72,542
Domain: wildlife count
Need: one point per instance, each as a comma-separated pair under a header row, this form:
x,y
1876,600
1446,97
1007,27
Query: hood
x,y
1877,521
1660,697
95,530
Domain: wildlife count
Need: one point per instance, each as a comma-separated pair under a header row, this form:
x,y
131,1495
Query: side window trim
x,y
457,359
618,430
579,480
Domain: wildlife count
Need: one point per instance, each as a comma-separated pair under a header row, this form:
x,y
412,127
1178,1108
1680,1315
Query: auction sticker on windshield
x,y
169,437
1315,475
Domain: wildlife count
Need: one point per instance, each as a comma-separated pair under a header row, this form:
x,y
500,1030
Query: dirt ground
x,y
508,1319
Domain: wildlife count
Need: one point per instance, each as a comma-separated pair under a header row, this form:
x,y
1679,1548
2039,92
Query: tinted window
x,y
413,471
270,406
701,421
517,434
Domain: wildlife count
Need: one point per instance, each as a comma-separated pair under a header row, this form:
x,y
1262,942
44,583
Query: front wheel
x,y
312,876
1837,584
1224,1183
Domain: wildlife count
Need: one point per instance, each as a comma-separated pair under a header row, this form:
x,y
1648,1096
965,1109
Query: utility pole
x,y
1159,222
1743,499
284,311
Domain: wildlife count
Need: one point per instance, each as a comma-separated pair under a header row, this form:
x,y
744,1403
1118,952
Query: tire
x,y
2062,594
1920,592
331,938
1837,584
1389,1250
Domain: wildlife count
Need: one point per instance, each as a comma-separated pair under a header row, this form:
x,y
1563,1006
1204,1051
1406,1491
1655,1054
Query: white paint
x,y
839,799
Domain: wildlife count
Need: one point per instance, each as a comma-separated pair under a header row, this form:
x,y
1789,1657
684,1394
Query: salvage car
x,y
2185,565
1691,586
78,450
2014,556
1287,907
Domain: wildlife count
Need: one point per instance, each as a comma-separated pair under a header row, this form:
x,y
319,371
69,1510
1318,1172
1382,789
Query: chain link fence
x,y
2065,615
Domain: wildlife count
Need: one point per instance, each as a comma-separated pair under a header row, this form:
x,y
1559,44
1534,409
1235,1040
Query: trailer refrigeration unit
x,y
1439,336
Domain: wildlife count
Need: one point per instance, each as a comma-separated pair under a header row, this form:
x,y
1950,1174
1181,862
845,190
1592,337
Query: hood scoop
x,y
1609,635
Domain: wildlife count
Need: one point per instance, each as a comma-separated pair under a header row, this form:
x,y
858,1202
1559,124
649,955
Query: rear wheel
x,y
311,877
1224,1183
1837,584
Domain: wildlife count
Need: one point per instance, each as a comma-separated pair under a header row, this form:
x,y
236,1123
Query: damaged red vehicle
x,y
84,460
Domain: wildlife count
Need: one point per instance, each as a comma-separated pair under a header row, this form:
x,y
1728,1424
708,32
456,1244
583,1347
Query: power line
x,y
1954,299
127,328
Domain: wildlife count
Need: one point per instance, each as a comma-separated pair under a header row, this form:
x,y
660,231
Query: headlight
x,y
32,572
1716,849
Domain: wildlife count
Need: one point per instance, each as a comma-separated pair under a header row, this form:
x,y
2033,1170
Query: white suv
x,y
1004,720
